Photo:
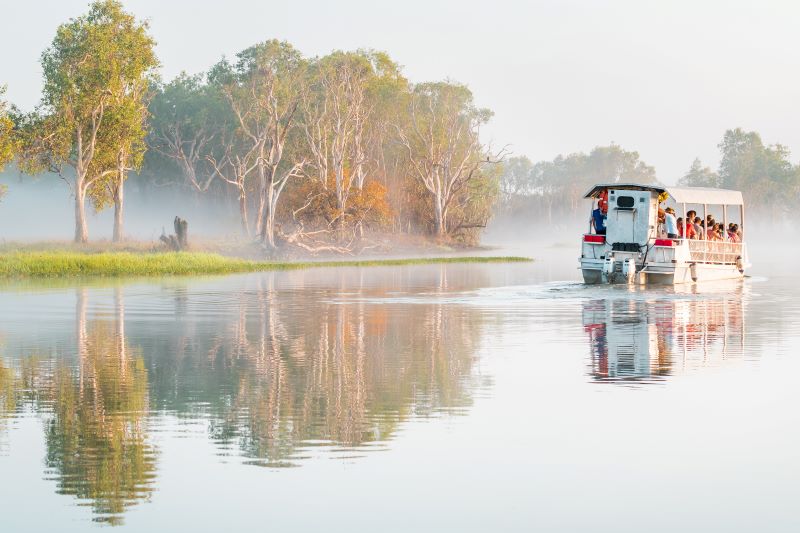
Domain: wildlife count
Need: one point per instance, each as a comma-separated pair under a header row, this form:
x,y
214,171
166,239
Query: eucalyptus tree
x,y
122,139
764,173
699,176
186,123
263,91
8,141
336,116
93,60
122,148
443,146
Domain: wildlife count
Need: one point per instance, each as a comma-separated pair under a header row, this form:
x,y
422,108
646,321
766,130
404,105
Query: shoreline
x,y
76,264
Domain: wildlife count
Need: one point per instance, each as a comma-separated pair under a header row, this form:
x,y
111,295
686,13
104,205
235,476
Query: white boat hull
x,y
660,266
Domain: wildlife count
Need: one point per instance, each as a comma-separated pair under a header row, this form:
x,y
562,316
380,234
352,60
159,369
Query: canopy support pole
x,y
685,222
724,222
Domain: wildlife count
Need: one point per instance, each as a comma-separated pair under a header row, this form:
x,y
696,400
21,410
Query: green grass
x,y
61,264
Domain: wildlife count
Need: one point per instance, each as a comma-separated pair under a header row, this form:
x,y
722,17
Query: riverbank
x,y
65,263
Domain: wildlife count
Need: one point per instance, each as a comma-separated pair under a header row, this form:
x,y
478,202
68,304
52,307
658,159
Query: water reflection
x,y
287,372
645,340
275,373
96,433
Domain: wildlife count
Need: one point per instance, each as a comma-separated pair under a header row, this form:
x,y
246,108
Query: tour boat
x,y
635,249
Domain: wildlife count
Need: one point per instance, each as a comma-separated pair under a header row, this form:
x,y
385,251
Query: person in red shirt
x,y
689,223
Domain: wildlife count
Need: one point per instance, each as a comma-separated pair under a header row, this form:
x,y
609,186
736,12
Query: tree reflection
x,y
292,371
97,445
275,371
633,339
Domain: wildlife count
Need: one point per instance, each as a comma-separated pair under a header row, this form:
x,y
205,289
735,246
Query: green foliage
x,y
700,176
255,122
91,117
552,189
764,173
8,139
445,154
54,264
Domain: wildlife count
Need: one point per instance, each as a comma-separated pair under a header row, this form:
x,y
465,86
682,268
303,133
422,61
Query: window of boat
x,y
626,202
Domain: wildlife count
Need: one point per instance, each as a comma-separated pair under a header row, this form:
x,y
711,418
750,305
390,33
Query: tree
x,y
336,113
93,60
517,180
8,140
443,144
122,139
763,173
262,90
188,116
699,176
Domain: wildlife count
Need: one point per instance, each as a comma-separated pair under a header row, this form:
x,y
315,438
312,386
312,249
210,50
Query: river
x,y
497,397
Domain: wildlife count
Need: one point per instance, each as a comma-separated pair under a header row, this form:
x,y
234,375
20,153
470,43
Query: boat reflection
x,y
646,340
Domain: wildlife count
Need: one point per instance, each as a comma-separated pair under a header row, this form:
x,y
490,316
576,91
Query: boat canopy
x,y
595,191
681,195
705,195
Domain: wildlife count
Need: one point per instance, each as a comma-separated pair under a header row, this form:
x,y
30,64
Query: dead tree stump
x,y
180,239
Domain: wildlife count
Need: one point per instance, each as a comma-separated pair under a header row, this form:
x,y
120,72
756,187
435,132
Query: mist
x,y
41,208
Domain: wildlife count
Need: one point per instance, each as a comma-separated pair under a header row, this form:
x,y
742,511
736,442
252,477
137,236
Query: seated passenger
x,y
710,230
698,228
716,233
599,221
733,233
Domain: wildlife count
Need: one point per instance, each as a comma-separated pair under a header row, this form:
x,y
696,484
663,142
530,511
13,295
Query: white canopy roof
x,y
705,195
681,195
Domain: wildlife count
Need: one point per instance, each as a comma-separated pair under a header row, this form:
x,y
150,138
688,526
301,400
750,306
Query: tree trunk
x,y
81,230
439,219
243,211
119,198
262,203
267,234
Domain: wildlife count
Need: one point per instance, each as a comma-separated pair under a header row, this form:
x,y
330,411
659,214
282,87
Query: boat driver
x,y
599,221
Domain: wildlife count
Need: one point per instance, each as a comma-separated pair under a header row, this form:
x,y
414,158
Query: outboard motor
x,y
608,269
629,270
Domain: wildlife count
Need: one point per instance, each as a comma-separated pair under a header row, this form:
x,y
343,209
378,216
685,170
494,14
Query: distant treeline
x,y
552,191
314,152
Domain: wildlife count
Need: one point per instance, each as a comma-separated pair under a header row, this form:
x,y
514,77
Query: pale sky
x,y
664,78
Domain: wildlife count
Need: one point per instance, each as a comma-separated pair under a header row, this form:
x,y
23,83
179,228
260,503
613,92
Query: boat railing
x,y
719,252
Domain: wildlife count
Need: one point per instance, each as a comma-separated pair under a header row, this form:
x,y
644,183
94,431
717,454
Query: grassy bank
x,y
60,264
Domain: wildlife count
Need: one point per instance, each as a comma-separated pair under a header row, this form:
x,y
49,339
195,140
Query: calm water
x,y
439,398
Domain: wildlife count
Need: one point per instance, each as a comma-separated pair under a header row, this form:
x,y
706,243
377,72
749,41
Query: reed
x,y
60,264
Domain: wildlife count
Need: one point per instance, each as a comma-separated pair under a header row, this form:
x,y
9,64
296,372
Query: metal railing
x,y
720,252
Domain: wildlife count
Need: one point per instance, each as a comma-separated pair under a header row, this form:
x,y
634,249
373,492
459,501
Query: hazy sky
x,y
664,78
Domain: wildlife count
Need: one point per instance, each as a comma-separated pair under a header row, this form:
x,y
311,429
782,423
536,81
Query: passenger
x,y
687,228
715,234
681,228
733,234
698,228
710,230
599,221
670,224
